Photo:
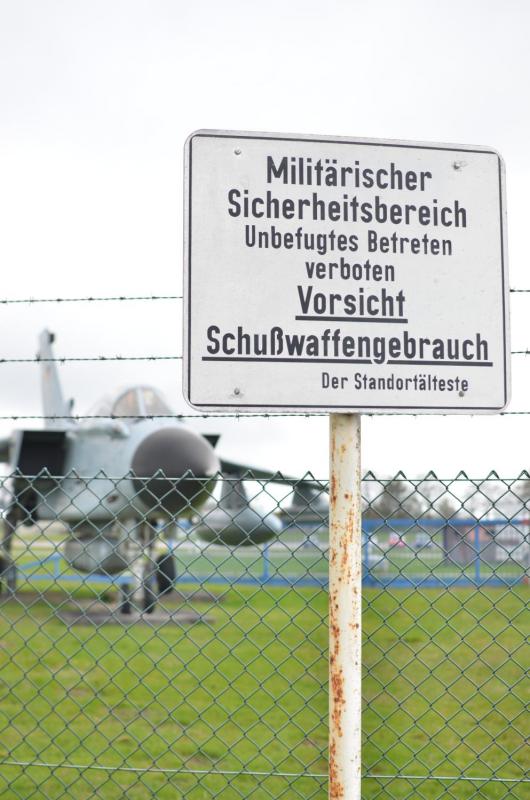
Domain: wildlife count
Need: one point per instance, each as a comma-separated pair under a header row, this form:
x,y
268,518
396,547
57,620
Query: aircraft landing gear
x,y
8,575
150,599
147,595
150,578
8,570
125,599
166,573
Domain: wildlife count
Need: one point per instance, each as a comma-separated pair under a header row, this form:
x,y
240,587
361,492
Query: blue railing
x,y
381,567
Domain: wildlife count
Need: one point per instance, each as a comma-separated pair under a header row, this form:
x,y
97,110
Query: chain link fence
x,y
144,654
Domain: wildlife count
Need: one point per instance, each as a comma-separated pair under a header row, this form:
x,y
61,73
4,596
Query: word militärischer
x,y
302,171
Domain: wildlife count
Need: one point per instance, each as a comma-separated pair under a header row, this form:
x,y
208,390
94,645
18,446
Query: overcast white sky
x,y
96,100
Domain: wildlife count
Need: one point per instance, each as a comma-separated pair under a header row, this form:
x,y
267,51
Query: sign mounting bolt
x,y
459,164
237,391
237,151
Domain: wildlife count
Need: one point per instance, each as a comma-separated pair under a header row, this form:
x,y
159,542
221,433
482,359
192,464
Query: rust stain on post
x,y
336,790
345,575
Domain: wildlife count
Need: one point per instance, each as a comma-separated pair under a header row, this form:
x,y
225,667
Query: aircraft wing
x,y
254,473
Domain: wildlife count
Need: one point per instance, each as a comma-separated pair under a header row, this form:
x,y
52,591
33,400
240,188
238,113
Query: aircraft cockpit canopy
x,y
136,401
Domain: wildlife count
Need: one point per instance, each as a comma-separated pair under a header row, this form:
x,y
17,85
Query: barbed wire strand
x,y
238,415
121,298
113,298
70,359
73,359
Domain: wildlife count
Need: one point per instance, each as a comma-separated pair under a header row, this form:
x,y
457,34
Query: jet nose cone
x,y
161,460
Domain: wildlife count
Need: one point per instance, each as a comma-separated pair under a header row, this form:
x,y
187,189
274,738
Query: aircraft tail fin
x,y
55,408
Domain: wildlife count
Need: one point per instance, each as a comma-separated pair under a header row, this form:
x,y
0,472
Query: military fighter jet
x,y
119,478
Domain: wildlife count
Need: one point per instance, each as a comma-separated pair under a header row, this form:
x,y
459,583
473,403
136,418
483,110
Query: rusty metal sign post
x,y
345,602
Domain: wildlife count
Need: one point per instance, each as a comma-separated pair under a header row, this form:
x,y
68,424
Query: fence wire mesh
x,y
167,638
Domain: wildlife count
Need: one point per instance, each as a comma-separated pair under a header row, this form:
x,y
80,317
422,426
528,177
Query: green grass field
x,y
245,692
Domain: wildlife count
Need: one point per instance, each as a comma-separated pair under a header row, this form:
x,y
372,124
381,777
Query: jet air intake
x,y
233,522
174,471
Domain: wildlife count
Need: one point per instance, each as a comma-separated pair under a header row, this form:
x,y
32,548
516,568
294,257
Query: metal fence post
x,y
345,583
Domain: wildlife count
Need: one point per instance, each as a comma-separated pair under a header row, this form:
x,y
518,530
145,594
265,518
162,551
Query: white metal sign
x,y
341,274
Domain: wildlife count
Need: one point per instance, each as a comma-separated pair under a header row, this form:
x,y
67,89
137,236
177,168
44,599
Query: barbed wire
x,y
110,299
72,359
237,415
121,298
